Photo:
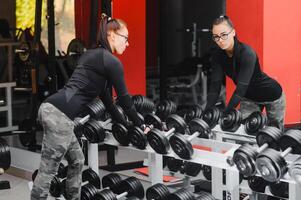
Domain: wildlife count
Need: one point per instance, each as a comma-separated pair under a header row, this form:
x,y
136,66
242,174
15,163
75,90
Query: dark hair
x,y
108,24
221,19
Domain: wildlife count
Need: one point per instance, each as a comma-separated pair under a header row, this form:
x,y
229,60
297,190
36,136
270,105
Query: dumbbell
x,y
195,111
257,184
166,108
295,170
181,145
129,187
94,109
255,122
158,139
157,192
271,163
137,136
143,104
185,167
212,116
93,130
110,181
279,189
202,195
89,177
120,128
245,156
231,120
181,194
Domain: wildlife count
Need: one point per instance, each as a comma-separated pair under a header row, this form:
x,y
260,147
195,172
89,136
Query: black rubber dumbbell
x,y
255,122
137,136
181,145
181,194
143,104
184,167
5,157
157,192
231,120
271,163
54,190
166,108
194,111
120,127
212,116
257,184
94,109
94,130
202,195
129,187
158,139
245,156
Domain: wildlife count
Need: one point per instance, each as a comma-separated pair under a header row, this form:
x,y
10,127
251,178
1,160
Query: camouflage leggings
x,y
58,141
275,110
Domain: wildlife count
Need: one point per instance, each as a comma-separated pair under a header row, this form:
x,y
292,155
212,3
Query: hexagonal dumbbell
x,y
181,145
181,194
137,136
158,140
271,163
255,122
245,156
231,120
212,116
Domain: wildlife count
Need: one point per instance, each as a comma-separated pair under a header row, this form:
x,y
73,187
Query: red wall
x,y
133,12
272,28
282,51
134,58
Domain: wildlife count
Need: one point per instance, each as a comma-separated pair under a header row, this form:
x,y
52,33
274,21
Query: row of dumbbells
x,y
161,192
268,160
113,187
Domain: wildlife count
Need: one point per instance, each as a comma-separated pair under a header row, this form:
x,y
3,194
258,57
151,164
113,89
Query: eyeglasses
x,y
223,36
124,36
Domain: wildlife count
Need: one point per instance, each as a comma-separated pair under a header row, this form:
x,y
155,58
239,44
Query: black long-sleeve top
x,y
97,71
244,69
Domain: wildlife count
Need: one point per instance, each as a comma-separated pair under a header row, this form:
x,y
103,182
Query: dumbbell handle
x,y
262,147
170,132
84,119
122,195
194,135
286,151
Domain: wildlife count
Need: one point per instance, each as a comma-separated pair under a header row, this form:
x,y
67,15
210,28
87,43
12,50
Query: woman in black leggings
x,y
254,89
97,72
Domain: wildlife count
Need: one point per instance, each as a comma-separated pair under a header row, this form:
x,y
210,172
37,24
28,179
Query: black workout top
x,y
97,71
244,69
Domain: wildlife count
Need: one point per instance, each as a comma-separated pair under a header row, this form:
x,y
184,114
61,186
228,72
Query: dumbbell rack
x,y
8,107
214,158
241,136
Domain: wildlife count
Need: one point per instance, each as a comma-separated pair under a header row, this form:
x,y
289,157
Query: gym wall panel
x,y
133,12
282,51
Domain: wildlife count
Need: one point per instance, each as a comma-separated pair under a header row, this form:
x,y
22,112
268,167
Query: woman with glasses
x,y
97,72
254,89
